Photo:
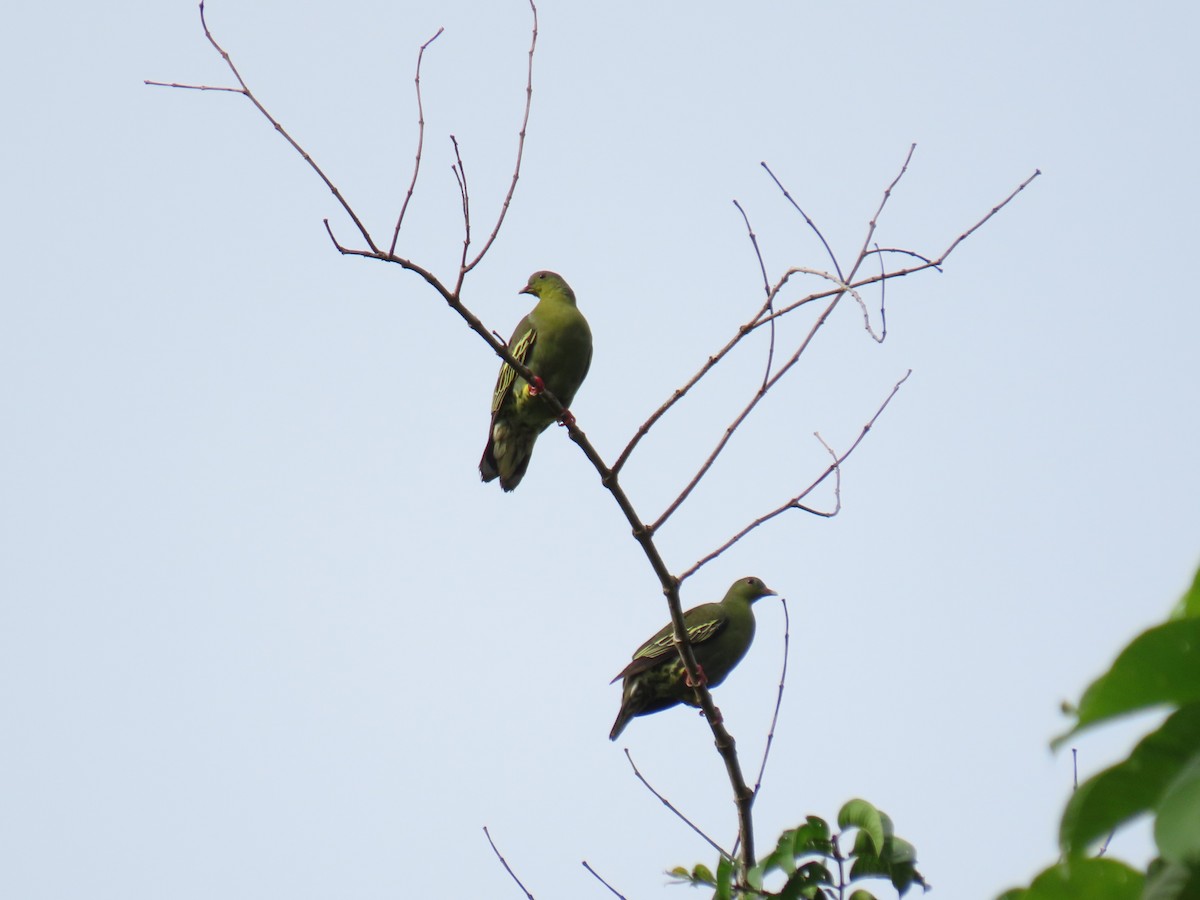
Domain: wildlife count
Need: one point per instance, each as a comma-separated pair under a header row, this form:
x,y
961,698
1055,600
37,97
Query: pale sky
x,y
264,633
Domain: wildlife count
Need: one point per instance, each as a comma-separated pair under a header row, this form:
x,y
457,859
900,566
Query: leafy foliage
x,y
1160,667
812,864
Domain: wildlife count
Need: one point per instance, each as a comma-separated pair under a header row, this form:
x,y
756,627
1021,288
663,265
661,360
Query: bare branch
x,y
669,805
811,223
193,87
911,253
596,875
768,314
995,209
834,469
882,306
762,267
935,263
745,413
245,91
429,278
787,631
504,862
412,185
512,187
887,193
743,795
460,175
681,392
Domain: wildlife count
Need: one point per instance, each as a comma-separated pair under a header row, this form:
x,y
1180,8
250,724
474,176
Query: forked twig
x,y
512,187
935,263
762,267
245,91
767,313
460,175
504,862
745,413
412,185
743,795
834,468
669,805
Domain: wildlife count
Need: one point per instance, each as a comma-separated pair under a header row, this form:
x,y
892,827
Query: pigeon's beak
x,y
525,290
770,593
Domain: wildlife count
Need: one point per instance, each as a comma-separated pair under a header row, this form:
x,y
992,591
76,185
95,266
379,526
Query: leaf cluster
x,y
1160,777
813,865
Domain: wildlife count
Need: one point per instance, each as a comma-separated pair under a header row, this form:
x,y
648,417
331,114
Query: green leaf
x,y
702,874
860,894
724,879
784,855
1177,826
810,838
1078,877
813,837
1132,786
806,881
1188,606
1172,881
1161,665
754,877
901,851
897,863
861,814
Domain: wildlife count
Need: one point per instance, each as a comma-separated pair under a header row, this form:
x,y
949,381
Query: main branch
x,y
610,476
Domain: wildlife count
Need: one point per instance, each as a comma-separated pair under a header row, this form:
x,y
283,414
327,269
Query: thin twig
x,y
836,295
912,253
245,91
460,175
596,875
778,703
669,805
882,305
512,187
745,413
834,468
762,267
193,87
412,185
787,628
935,263
504,862
811,223
768,314
887,194
995,209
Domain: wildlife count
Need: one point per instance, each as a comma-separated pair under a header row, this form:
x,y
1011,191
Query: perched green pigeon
x,y
554,340
720,634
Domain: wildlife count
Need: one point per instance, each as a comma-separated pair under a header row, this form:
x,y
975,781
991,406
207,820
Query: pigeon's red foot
x,y
700,672
566,418
536,386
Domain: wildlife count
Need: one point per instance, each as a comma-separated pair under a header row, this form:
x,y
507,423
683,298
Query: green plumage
x,y
554,340
720,635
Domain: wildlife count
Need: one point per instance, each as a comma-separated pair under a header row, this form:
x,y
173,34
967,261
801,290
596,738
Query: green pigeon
x,y
720,634
554,340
